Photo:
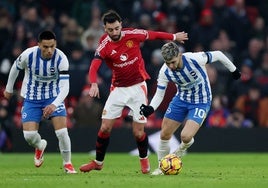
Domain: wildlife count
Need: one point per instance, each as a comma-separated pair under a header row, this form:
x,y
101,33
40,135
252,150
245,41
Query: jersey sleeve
x,y
19,64
93,70
162,83
219,56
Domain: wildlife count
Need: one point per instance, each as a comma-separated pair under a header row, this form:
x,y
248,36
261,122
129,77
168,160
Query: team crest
x,y
129,43
52,70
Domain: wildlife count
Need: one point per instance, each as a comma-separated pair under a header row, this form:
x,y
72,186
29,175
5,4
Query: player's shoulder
x,y
31,49
133,31
192,55
60,52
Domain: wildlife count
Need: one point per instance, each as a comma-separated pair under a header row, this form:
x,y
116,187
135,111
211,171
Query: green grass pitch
x,y
200,170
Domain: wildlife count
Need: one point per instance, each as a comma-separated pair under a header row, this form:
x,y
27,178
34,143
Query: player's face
x,y
114,30
47,48
175,63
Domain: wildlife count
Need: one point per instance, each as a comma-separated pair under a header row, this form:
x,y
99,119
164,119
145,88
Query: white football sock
x,y
33,138
64,144
163,149
184,146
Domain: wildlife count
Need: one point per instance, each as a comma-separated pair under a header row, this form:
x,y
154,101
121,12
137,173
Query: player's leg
x,y
168,128
112,110
196,116
61,131
142,144
175,114
138,95
187,137
31,115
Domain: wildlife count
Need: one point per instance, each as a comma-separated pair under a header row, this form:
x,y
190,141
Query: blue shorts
x,y
179,110
33,110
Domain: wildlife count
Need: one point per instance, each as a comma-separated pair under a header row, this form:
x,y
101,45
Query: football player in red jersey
x,y
120,49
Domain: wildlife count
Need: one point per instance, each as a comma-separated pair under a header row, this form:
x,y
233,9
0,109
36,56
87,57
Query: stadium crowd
x,y
238,28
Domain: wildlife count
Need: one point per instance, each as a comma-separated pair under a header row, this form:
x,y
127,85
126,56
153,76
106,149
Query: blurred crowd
x,y
239,28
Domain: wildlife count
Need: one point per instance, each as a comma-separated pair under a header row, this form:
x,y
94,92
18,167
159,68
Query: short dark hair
x,y
110,17
46,35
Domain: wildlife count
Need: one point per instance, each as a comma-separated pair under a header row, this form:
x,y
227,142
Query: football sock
x,y
64,144
102,143
142,144
184,146
33,138
163,149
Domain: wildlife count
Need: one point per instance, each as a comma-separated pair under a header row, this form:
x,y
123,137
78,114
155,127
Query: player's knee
x,y
61,133
186,138
30,136
165,135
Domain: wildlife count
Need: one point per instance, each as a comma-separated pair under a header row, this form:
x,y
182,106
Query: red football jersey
x,y
124,57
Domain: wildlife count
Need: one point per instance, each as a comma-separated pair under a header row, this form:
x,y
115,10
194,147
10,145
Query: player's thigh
x,y
31,112
59,122
114,105
168,128
138,96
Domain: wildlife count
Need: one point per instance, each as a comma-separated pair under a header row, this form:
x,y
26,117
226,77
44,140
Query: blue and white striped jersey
x,y
41,79
191,80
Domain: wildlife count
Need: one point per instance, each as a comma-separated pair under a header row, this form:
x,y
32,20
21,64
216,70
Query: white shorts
x,y
120,97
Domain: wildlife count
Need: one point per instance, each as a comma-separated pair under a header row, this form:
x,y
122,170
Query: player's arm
x,y
17,66
180,36
64,87
93,70
219,56
158,97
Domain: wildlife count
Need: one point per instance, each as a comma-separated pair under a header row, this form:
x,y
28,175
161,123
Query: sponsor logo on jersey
x,y
123,57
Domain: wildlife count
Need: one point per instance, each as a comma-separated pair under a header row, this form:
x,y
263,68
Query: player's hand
x,y
48,110
7,95
146,110
181,37
94,90
236,74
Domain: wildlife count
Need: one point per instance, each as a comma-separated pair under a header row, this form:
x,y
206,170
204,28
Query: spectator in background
x,y
241,87
182,11
253,52
254,106
5,126
217,116
5,33
78,69
239,24
71,35
205,25
33,24
261,74
236,119
88,111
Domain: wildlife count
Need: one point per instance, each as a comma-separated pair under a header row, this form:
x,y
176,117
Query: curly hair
x,y
169,51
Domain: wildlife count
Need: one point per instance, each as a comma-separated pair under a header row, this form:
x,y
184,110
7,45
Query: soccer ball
x,y
171,164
